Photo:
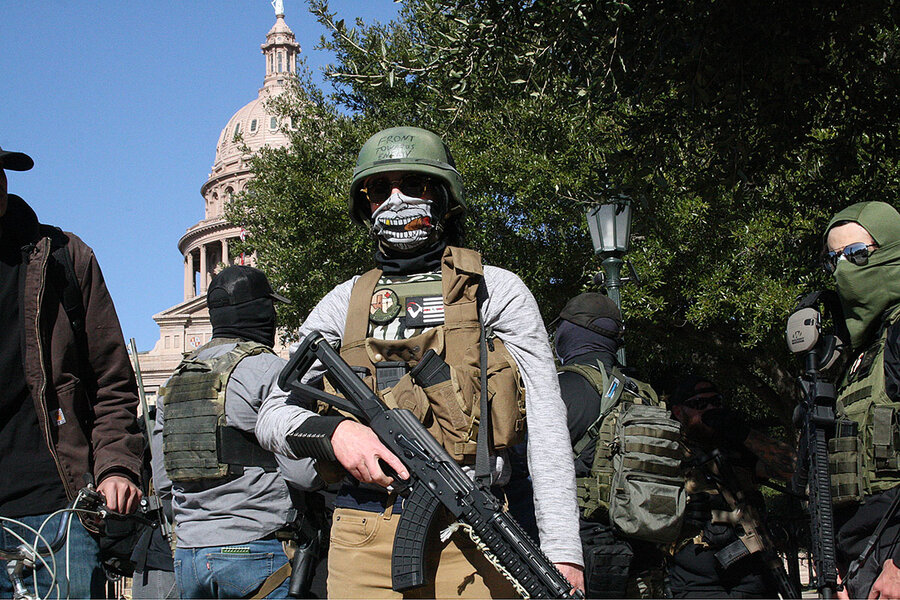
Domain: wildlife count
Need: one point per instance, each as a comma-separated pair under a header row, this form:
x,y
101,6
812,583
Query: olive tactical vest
x,y
450,410
195,412
636,482
864,454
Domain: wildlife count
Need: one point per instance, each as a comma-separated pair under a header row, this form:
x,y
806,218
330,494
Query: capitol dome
x,y
205,245
208,246
252,127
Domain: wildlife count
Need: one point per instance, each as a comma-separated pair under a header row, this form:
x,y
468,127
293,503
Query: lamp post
x,y
610,226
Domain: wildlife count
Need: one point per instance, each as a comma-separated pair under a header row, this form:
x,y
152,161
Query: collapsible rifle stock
x,y
816,421
435,480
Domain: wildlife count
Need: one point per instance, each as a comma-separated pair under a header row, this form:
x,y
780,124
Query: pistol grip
x,y
408,560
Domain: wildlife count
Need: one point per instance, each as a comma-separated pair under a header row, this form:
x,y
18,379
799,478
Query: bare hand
x,y
358,449
120,493
573,573
888,583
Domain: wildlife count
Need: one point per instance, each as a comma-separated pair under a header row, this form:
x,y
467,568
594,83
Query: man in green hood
x,y
862,252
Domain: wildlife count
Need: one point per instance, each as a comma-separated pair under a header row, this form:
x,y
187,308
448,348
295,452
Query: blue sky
x,y
120,104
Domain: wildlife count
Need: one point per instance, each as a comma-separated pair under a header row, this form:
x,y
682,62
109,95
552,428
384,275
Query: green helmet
x,y
404,149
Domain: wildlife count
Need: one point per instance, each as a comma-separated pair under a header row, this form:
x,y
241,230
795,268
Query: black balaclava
x,y
252,320
574,340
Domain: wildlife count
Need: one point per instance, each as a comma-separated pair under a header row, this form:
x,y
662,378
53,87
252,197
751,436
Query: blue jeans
x,y
85,575
229,571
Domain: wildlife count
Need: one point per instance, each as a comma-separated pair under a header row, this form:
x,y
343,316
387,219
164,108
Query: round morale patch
x,y
385,306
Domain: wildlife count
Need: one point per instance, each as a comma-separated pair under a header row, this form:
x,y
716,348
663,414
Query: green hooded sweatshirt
x,y
870,291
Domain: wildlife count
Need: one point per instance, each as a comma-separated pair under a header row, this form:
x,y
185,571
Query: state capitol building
x,y
206,246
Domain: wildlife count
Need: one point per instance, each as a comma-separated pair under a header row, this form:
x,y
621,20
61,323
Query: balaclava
x,y
574,340
404,224
409,232
252,320
868,291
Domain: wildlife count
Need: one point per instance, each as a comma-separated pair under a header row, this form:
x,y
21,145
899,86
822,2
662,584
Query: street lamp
x,y
610,227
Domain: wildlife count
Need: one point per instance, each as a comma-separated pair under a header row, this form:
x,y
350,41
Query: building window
x,y
168,341
253,126
279,62
273,123
237,130
177,341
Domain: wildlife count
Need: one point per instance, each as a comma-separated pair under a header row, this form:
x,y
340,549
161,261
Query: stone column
x,y
189,276
225,252
203,273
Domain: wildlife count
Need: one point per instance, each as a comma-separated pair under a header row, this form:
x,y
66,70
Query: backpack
x,y
636,480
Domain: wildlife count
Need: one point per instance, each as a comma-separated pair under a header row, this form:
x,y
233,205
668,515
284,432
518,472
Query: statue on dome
x,y
278,5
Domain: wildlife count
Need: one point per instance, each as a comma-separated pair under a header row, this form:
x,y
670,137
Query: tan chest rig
x,y
450,410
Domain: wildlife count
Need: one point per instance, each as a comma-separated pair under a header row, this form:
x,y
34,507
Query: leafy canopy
x,y
736,128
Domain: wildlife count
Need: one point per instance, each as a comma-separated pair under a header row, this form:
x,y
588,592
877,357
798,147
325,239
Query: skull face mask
x,y
403,222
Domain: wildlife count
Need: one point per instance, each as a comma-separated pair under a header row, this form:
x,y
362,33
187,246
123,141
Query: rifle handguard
x,y
312,439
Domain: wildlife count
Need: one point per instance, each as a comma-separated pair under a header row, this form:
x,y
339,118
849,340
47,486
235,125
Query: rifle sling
x,y
483,444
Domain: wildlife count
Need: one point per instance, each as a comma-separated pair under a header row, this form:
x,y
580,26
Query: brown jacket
x,y
88,419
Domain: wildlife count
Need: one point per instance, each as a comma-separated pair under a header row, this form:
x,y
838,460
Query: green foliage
x,y
737,129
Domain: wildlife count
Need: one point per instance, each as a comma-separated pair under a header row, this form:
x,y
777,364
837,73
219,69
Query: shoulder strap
x,y
356,327
610,394
485,441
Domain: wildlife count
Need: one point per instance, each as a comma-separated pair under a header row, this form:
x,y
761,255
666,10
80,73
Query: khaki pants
x,y
359,561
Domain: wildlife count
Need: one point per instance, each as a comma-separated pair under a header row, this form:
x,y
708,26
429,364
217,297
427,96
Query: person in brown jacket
x,y
68,398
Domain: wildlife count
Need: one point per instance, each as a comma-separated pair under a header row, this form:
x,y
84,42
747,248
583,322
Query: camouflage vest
x,y
864,455
636,483
441,314
195,412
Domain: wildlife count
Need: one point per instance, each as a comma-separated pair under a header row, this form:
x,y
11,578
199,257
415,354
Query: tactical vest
x,y
864,454
636,483
450,409
195,414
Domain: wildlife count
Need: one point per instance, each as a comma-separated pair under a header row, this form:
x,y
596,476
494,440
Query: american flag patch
x,y
424,311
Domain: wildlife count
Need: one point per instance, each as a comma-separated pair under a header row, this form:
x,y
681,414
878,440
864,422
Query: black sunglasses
x,y
858,253
701,401
378,189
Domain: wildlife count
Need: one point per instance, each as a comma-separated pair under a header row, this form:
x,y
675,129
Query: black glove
x,y
729,427
698,511
719,535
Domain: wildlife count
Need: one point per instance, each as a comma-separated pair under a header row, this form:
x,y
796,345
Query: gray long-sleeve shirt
x,y
512,312
252,505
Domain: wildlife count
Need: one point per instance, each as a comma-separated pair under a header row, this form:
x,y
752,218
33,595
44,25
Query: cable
x,y
39,537
34,550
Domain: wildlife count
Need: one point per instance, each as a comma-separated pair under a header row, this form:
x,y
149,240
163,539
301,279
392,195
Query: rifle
x,y
151,503
755,536
816,419
435,480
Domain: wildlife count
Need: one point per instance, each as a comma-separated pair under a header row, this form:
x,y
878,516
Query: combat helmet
x,y
404,149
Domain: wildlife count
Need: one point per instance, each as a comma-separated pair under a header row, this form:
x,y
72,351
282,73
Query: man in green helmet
x,y
862,252
427,292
